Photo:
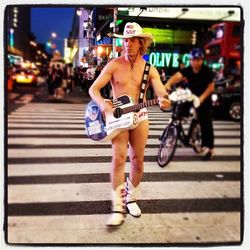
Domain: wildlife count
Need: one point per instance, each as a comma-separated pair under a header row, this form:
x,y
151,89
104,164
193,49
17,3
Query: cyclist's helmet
x,y
196,53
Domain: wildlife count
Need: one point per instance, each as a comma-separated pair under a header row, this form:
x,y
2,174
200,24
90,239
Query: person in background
x,y
69,76
105,91
57,82
200,81
51,87
163,75
90,76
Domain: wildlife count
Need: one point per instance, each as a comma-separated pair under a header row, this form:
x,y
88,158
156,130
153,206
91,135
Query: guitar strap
x,y
144,81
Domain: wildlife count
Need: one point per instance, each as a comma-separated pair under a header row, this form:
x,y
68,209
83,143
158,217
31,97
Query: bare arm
x,y
159,89
177,77
209,90
101,81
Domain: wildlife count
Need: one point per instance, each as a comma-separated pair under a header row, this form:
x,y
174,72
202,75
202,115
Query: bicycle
x,y
184,108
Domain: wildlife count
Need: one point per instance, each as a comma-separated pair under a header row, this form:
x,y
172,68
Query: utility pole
x,y
114,31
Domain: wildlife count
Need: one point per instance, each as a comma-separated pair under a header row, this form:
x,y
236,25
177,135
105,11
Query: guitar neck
x,y
139,106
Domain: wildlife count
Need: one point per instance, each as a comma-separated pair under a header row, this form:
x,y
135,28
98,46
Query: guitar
x,y
124,117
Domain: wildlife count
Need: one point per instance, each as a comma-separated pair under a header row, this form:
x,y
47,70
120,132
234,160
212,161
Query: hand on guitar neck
x,y
164,102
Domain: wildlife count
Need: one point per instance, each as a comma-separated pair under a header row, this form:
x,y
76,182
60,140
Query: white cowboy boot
x,y
118,206
132,206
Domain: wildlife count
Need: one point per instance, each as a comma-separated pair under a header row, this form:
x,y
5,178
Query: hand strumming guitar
x,y
107,106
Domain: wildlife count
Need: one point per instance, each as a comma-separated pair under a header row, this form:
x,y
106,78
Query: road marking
x,y
24,99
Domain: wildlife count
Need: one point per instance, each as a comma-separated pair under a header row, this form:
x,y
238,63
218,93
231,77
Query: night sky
x,y
44,21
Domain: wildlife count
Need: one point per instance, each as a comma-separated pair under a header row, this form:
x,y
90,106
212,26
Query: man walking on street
x,y
125,75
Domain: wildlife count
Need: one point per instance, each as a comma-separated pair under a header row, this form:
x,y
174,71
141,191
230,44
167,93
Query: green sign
x,y
118,42
118,22
161,59
168,36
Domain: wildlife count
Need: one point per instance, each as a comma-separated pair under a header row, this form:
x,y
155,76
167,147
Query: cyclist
x,y
199,79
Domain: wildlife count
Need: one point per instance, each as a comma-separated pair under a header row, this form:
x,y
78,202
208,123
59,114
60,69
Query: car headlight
x,y
214,97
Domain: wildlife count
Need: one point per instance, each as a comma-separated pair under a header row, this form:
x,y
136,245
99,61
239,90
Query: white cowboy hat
x,y
135,30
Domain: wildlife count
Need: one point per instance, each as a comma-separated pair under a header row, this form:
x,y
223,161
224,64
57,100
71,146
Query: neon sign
x,y
169,36
11,41
161,59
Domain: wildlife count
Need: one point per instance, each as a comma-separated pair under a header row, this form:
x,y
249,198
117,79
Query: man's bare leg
x,y
119,152
137,139
117,176
137,142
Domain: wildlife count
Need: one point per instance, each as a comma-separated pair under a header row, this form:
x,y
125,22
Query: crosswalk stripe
x,y
86,159
80,116
83,135
101,177
41,169
85,141
18,126
66,192
99,146
148,206
82,131
92,152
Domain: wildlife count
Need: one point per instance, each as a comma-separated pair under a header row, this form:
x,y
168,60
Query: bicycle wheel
x,y
167,146
195,138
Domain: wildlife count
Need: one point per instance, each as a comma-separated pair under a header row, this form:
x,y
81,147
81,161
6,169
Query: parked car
x,y
227,102
24,76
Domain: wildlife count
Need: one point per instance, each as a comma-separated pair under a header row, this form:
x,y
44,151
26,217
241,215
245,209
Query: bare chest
x,y
128,82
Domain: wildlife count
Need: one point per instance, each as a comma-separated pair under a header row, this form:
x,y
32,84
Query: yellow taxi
x,y
24,76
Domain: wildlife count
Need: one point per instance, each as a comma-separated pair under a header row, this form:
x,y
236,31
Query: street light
x,y
33,44
53,39
79,12
53,35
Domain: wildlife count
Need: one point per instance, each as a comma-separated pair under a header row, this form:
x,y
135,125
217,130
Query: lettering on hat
x,y
130,26
130,32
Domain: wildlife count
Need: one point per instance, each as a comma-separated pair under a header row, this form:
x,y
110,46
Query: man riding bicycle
x,y
199,79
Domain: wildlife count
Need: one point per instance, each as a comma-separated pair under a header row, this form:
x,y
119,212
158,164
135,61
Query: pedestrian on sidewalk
x,y
125,75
